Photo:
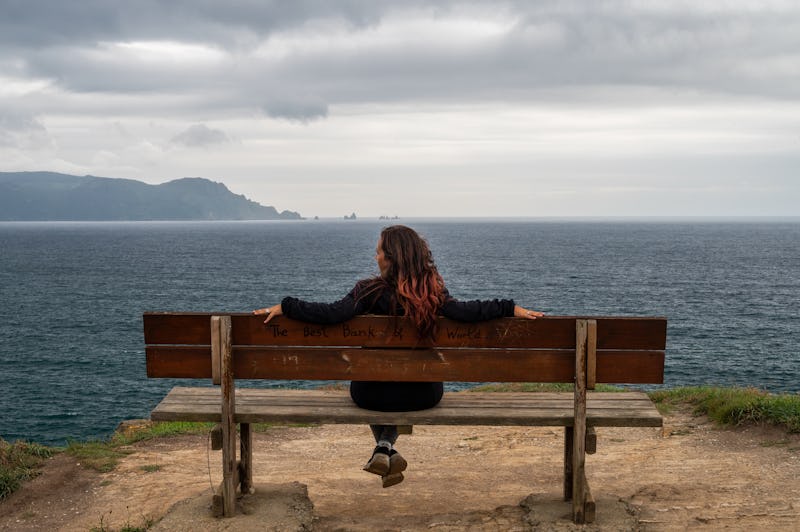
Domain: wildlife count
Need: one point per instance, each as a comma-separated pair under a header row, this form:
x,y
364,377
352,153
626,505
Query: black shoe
x,y
391,479
379,463
397,464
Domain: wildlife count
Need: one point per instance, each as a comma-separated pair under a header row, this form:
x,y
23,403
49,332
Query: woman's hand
x,y
520,312
270,312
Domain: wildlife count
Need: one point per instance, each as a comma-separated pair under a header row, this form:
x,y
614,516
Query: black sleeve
x,y
477,310
322,313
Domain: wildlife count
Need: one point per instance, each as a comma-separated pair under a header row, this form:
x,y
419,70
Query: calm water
x,y
72,295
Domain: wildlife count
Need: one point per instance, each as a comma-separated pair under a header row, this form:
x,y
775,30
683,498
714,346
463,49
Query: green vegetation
x,y
98,455
127,527
161,429
19,461
735,406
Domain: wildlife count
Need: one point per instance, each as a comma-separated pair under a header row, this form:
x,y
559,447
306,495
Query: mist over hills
x,y
50,196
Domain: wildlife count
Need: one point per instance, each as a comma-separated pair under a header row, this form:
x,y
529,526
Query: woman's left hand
x,y
521,312
270,312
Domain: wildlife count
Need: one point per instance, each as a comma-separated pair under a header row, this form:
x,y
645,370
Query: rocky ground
x,y
688,475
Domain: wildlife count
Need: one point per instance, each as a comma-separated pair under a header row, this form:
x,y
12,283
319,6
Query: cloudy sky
x,y
526,108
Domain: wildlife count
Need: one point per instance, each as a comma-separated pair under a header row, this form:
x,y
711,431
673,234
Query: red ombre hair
x,y
412,275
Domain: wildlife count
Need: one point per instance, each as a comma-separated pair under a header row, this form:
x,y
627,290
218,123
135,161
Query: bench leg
x,y
568,433
221,342
246,456
587,510
229,470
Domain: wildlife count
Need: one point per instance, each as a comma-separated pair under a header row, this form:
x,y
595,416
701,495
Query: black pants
x,y
396,396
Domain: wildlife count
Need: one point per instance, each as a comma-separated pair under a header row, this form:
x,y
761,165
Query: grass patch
x,y
162,429
101,456
127,527
736,406
20,461
150,468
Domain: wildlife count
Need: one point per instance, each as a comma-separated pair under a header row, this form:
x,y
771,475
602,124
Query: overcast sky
x,y
527,108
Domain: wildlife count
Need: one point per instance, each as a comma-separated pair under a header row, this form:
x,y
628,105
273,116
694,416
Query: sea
x,y
72,294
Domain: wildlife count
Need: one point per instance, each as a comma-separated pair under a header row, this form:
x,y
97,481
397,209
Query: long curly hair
x,y
412,277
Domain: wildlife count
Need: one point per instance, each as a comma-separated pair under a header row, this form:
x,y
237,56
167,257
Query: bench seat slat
x,y
464,402
627,409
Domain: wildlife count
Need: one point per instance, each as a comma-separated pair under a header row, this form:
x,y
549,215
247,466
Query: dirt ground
x,y
688,475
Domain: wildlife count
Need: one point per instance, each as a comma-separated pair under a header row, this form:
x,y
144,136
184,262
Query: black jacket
x,y
384,303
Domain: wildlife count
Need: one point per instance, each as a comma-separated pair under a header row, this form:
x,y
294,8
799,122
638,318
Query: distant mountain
x,y
53,196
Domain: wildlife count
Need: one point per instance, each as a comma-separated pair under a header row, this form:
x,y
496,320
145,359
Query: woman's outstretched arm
x,y
482,310
521,312
311,312
270,312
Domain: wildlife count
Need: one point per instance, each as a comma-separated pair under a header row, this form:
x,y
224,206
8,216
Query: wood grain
x,y
456,365
625,409
554,332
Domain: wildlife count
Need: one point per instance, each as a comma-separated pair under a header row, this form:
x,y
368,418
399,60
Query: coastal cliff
x,y
49,196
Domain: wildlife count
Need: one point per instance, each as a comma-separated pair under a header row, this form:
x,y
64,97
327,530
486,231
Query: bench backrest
x,y
377,348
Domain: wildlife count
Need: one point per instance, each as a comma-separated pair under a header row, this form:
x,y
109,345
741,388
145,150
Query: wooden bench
x,y
579,350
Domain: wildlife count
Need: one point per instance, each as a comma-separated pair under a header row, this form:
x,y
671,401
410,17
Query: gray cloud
x,y
22,130
495,99
200,135
304,111
43,23
535,48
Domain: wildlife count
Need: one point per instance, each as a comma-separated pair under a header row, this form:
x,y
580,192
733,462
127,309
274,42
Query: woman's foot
x,y
392,479
397,464
379,464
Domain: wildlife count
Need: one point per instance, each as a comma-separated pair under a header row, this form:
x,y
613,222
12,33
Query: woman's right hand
x,y
270,312
521,312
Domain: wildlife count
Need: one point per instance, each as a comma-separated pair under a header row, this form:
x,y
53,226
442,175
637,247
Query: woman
x,y
409,284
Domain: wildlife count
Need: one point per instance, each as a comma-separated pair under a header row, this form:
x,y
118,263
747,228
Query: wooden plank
x,y
440,415
579,424
596,400
630,367
246,457
303,406
221,331
589,506
179,362
313,393
568,449
466,365
591,354
218,500
177,328
216,438
550,332
457,365
287,397
216,353
591,440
